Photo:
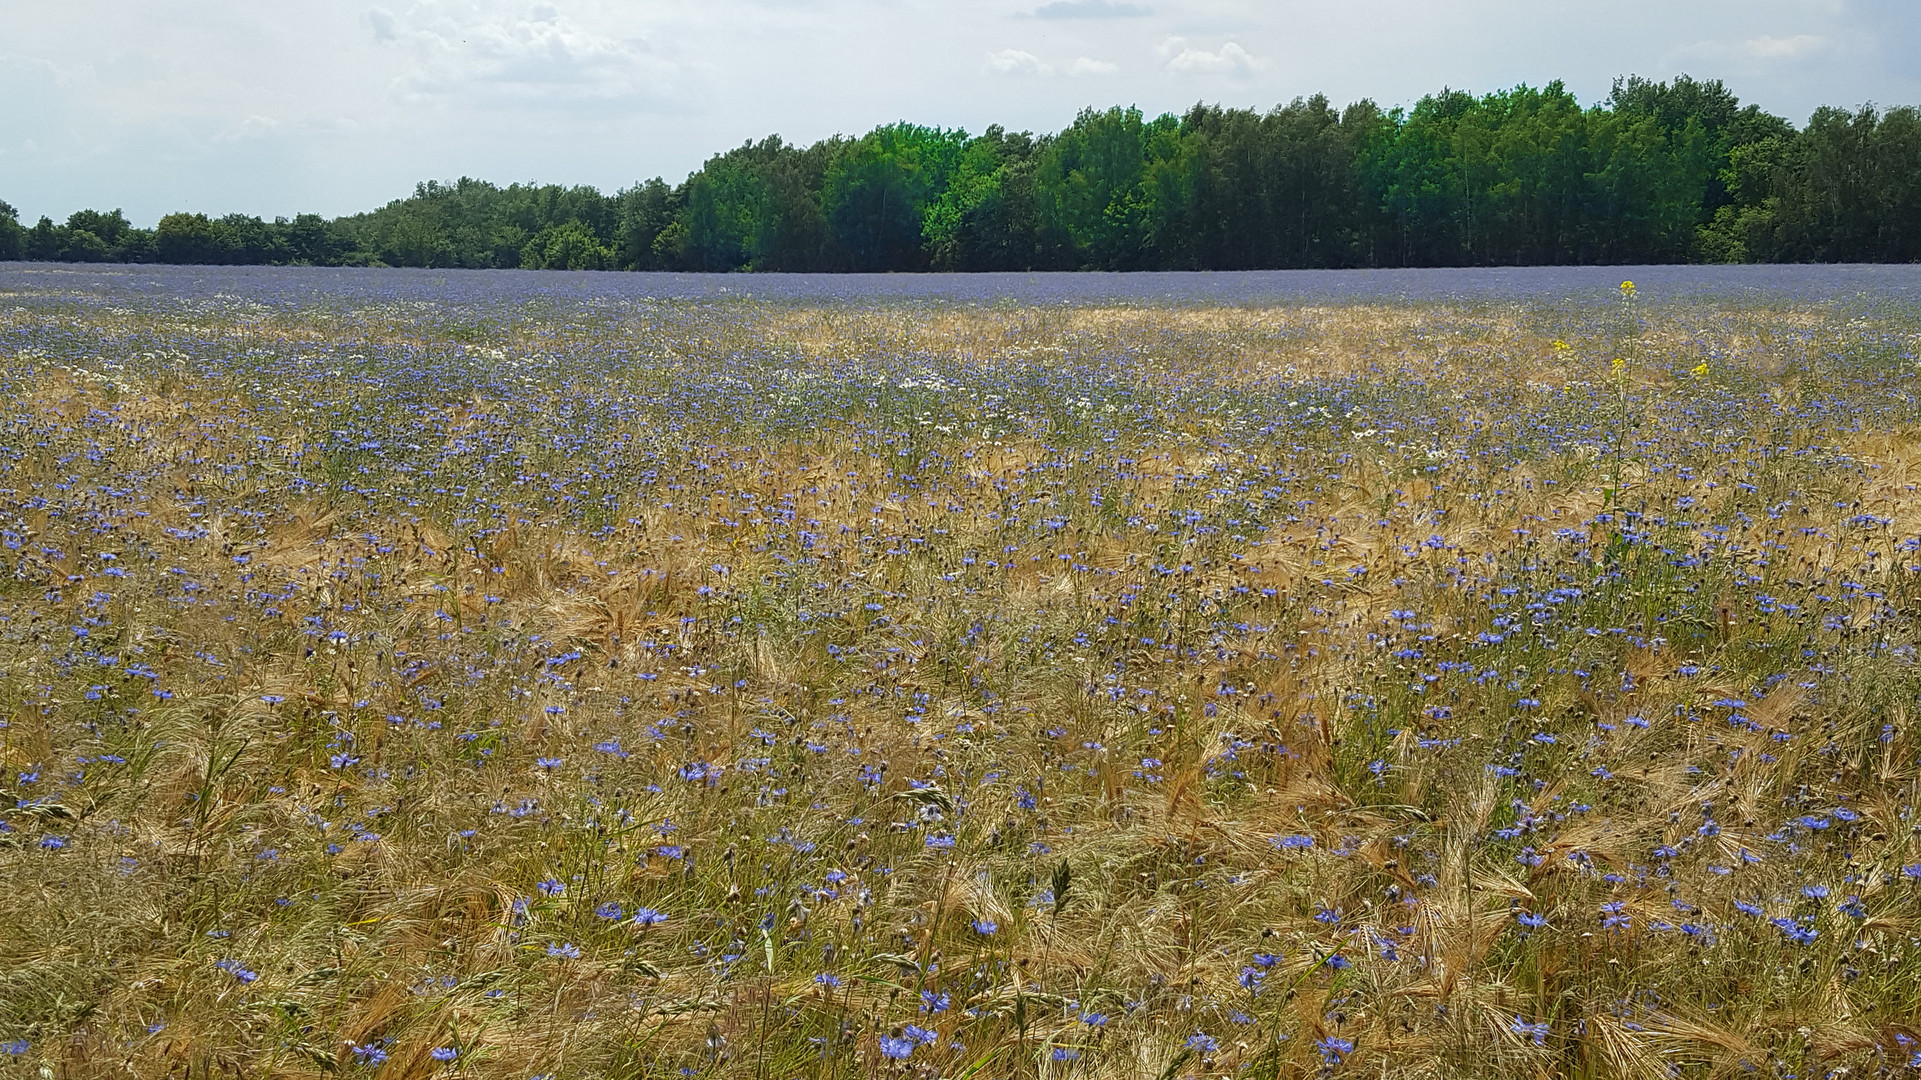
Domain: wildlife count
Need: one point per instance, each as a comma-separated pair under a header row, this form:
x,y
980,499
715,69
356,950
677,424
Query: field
x,y
445,681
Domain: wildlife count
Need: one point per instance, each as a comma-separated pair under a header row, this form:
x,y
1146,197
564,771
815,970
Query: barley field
x,y
435,680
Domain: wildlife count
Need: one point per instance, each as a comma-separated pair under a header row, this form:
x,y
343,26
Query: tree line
x,y
1660,172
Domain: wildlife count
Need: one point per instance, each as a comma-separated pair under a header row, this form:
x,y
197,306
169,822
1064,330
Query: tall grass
x,y
767,690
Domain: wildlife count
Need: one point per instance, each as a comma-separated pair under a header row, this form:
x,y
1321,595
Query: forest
x,y
1659,172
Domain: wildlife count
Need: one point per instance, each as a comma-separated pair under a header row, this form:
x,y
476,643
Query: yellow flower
x,y
1627,288
1560,346
1620,365
1701,368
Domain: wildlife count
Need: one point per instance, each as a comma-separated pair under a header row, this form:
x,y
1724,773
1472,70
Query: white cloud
x,y
1770,55
531,55
143,105
253,127
1089,9
1020,62
1784,48
1230,59
1016,62
385,26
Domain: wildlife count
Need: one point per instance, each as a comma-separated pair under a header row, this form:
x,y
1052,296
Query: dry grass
x,y
1392,691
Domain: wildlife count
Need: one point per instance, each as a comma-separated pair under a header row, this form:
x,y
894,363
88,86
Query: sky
x,y
276,107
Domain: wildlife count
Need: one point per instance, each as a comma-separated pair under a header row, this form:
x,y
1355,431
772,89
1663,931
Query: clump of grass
x,y
871,690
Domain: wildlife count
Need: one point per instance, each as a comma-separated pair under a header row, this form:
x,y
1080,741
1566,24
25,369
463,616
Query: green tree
x,y
43,242
1848,189
88,236
1743,230
94,236
877,190
1727,124
246,240
646,211
10,232
1736,216
727,216
756,207
795,236
1537,161
1649,186
1413,174
1096,211
1279,189
1527,176
187,238
473,223
985,218
568,246
1661,171
314,241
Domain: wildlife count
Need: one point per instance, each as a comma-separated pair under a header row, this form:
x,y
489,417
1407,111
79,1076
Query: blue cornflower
x,y
1796,932
1538,1031
234,968
1333,1050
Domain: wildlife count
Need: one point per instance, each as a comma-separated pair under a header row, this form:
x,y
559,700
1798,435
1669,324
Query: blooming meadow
x,y
436,678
